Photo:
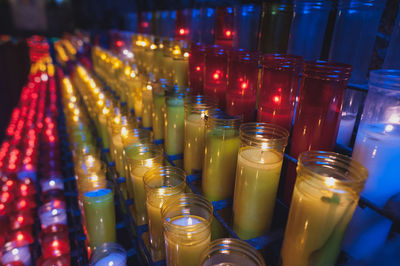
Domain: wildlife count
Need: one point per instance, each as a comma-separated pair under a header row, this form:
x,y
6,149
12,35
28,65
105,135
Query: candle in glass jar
x,y
109,254
257,177
346,127
100,216
186,221
53,213
147,112
16,252
324,198
220,157
158,110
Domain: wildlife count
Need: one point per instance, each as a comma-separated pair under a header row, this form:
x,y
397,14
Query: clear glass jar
x,y
258,171
147,101
141,158
196,68
354,35
220,156
326,193
246,17
231,251
392,58
186,222
180,55
109,253
159,89
377,146
197,108
161,183
224,26
307,31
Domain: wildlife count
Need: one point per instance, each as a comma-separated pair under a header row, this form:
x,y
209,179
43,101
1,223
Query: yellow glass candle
x,y
186,222
99,211
325,195
158,109
257,177
196,110
180,55
147,99
174,121
141,157
161,183
220,156
168,62
231,251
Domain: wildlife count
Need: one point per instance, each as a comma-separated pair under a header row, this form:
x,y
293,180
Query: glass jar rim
x,y
242,55
200,103
313,4
232,245
216,50
327,70
156,177
385,79
263,135
105,249
153,151
346,4
337,169
282,61
219,118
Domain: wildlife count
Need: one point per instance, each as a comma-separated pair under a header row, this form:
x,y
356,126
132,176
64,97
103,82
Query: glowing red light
x,y
119,43
217,75
9,183
228,33
2,206
277,99
22,203
20,219
181,31
244,85
145,24
52,138
54,243
20,236
24,187
198,68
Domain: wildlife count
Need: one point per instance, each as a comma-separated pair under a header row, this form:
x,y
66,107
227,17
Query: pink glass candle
x,y
196,68
224,26
215,76
242,84
278,89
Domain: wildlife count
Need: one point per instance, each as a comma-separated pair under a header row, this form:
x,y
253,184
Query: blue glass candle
x,y
354,35
392,58
307,31
377,147
246,21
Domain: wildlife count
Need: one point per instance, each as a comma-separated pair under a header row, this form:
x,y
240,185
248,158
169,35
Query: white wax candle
x,y
53,183
346,129
21,254
54,216
113,259
186,220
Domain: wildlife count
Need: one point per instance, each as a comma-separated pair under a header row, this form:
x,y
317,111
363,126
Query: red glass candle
x,y
215,76
63,260
22,235
182,24
55,244
21,219
196,68
242,84
224,26
317,119
278,89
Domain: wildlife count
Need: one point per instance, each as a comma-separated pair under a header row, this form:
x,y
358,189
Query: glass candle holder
x,y
392,58
180,55
326,193
147,100
55,244
158,90
186,221
98,205
215,73
276,18
224,26
377,147
278,89
183,21
174,120
196,68
257,177
208,17
141,158
195,35
109,253
53,213
354,35
16,251
351,106
161,183
317,119
168,61
145,19
64,260
246,17
242,84
197,108
227,251
307,31
220,156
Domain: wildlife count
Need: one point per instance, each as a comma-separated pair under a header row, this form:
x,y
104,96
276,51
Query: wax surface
x,y
220,164
185,249
346,129
174,129
194,143
21,254
257,179
113,259
54,216
316,225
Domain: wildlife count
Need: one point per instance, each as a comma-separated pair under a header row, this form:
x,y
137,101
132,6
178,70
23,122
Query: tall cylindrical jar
x,y
258,171
278,89
180,55
220,156
231,251
215,73
246,17
224,26
392,58
276,17
377,147
196,68
147,100
207,25
354,36
197,108
186,221
242,84
161,183
316,125
326,193
159,89
174,121
141,158
307,31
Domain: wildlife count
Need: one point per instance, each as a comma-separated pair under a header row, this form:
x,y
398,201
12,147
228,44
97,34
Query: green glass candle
x,y
220,156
